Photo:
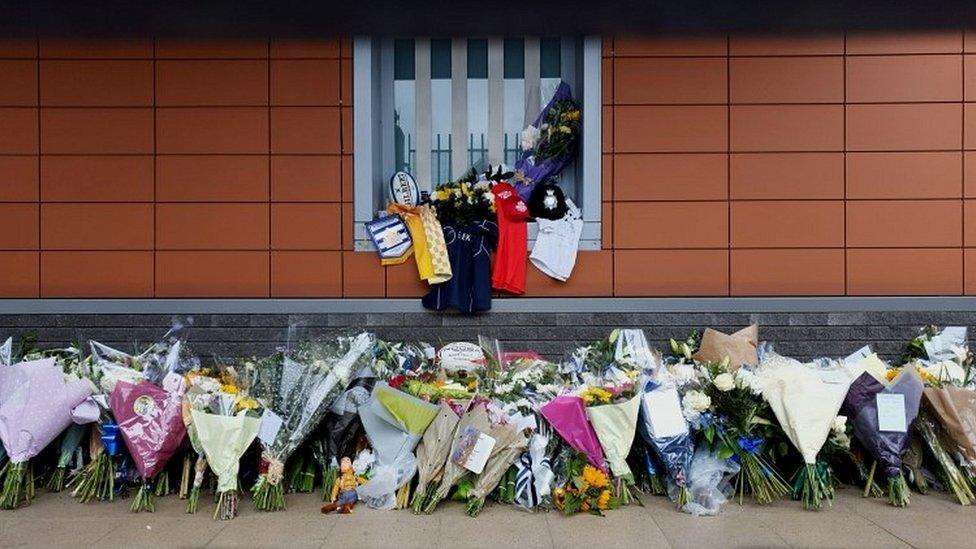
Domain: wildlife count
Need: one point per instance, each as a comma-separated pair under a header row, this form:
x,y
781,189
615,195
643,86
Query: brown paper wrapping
x,y
956,410
740,347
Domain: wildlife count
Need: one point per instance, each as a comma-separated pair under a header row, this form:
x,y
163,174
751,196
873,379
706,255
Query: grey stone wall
x,y
802,335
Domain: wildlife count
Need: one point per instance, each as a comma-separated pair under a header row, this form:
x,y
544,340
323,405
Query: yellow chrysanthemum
x,y
246,403
604,500
595,477
596,395
229,389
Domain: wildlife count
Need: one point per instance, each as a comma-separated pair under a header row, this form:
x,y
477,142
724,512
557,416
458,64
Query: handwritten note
x,y
891,413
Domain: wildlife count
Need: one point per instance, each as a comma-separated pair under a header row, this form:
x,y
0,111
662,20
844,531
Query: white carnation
x,y
696,401
747,379
530,138
840,425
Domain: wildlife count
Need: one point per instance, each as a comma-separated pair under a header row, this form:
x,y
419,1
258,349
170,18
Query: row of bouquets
x,y
321,396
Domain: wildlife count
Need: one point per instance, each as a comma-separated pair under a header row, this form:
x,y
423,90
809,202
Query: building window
x,y
436,107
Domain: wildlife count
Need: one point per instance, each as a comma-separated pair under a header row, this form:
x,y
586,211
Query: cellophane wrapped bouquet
x,y
525,384
945,365
510,433
902,397
224,421
729,411
296,387
473,416
394,422
550,143
805,399
106,367
74,364
665,431
38,402
609,370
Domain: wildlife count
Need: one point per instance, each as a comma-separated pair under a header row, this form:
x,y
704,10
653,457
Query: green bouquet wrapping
x,y
615,426
224,440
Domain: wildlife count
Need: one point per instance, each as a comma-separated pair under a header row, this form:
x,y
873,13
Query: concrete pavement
x,y
55,520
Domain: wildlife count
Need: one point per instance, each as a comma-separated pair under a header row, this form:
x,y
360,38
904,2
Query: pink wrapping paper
x,y
151,421
567,415
36,405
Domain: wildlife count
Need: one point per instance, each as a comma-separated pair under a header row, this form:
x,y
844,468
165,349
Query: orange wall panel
x,y
732,165
18,226
97,178
96,274
212,178
213,274
18,87
18,178
96,83
97,226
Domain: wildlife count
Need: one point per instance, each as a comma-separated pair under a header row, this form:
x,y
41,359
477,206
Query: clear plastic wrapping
x,y
708,483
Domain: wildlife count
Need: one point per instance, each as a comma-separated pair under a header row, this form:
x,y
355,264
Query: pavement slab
x,y
56,520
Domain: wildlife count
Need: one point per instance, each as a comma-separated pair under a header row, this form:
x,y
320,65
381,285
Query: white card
x,y
891,413
474,450
857,355
664,413
270,425
834,376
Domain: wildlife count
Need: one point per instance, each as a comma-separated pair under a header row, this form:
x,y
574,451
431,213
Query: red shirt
x,y
509,270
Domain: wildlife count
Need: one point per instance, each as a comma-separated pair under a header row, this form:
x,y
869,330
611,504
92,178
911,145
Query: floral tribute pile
x,y
391,425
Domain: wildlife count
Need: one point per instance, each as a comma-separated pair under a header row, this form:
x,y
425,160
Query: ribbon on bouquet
x,y
751,445
110,438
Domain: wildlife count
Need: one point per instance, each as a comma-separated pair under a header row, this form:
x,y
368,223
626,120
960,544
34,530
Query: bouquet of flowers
x,y
550,143
74,365
225,423
732,416
150,419
463,202
474,417
587,489
886,443
394,423
806,402
219,416
666,433
525,383
567,416
296,389
432,454
37,403
955,408
613,411
105,367
510,440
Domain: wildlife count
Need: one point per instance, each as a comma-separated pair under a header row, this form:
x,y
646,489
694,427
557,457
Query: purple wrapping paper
x,y
36,405
150,419
567,415
861,405
532,172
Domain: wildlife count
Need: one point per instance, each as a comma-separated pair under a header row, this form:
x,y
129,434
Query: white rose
x,y
724,382
696,401
840,425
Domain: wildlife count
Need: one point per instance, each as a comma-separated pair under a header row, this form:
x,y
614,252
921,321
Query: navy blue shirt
x,y
469,249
